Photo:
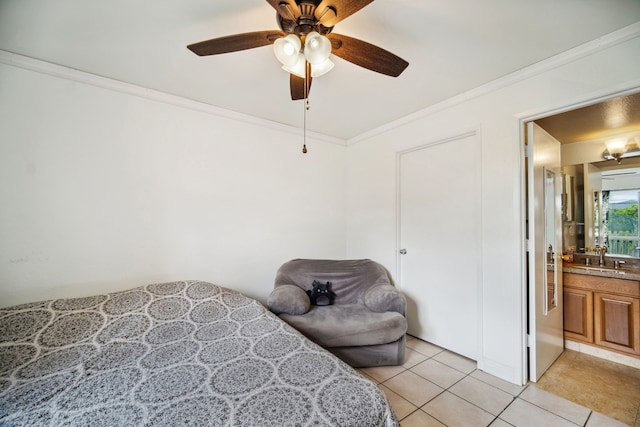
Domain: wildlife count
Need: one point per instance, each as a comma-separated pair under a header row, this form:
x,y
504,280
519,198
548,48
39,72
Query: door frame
x,y
522,120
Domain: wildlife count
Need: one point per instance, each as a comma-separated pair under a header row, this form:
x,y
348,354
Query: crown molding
x,y
584,50
59,71
609,40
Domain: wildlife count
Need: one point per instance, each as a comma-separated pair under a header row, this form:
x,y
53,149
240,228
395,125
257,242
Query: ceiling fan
x,y
309,21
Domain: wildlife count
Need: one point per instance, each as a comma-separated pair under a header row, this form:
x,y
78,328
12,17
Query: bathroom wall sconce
x,y
619,148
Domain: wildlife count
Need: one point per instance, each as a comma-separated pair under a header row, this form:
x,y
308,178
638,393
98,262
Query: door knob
x,y
403,251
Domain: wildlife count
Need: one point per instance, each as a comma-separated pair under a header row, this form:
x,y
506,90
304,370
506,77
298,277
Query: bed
x,y
179,353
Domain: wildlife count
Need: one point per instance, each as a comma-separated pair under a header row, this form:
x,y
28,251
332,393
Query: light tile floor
x,y
602,385
436,387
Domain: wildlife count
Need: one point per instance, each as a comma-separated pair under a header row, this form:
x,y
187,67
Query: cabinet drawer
x,y
609,285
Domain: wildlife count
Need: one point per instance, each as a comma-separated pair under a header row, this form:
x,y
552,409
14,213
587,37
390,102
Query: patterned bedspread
x,y
180,353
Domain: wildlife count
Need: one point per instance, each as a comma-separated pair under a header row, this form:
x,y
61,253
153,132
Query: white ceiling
x,y
452,46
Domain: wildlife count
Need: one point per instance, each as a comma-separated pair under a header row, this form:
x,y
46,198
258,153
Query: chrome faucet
x,y
601,251
618,263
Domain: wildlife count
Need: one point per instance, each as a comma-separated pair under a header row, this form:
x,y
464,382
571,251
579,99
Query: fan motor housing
x,y
305,24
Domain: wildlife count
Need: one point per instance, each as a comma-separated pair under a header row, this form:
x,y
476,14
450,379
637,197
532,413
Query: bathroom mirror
x,y
600,207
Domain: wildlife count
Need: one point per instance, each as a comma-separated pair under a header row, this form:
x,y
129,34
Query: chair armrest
x,y
385,297
289,299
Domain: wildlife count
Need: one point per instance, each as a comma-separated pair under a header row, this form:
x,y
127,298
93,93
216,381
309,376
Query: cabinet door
x,y
617,322
578,314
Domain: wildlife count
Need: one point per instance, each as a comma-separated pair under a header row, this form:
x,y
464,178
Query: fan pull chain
x,y
304,135
306,105
304,143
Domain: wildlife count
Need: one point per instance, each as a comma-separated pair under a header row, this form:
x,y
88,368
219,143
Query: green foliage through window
x,y
623,224
624,221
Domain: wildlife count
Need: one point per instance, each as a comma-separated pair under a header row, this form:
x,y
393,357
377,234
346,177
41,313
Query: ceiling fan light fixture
x,y
322,68
301,44
298,67
317,48
287,49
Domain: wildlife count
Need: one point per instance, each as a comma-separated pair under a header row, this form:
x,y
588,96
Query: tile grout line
x,y
516,397
466,375
462,398
546,410
447,389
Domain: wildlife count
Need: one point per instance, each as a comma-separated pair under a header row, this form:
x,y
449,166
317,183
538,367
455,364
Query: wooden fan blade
x,y
235,42
342,9
288,9
297,87
367,55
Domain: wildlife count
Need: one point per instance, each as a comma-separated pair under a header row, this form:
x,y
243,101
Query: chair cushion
x,y
288,299
348,325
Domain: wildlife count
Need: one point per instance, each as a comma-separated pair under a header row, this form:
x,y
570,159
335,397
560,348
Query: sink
x,y
597,268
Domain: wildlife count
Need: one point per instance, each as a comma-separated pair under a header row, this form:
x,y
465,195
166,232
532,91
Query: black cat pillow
x,y
321,294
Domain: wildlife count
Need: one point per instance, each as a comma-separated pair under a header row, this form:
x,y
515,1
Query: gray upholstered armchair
x,y
365,325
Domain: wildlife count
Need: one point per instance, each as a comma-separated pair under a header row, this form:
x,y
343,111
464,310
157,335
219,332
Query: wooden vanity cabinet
x,y
602,311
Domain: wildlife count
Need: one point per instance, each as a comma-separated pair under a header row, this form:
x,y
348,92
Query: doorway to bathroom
x,y
589,172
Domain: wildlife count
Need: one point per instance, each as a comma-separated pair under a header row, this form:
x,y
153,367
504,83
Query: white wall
x,y
102,190
594,70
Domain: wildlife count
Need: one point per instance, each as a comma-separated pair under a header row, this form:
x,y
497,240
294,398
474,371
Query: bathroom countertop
x,y
595,270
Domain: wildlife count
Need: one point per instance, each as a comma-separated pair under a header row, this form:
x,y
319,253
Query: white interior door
x,y
546,340
440,230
